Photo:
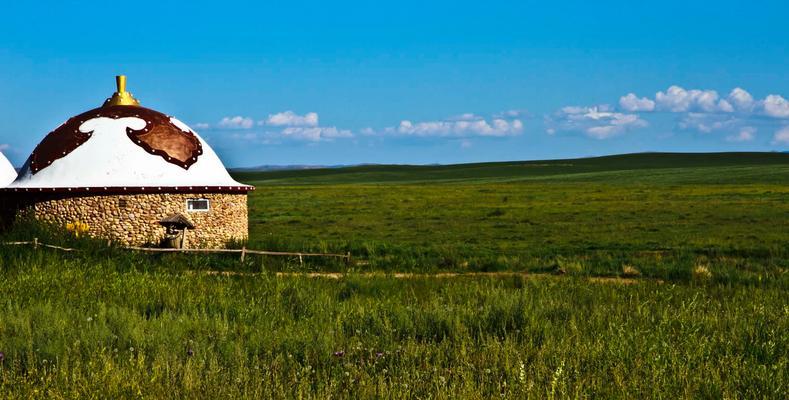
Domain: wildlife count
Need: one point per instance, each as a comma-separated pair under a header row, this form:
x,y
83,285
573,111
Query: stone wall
x,y
134,219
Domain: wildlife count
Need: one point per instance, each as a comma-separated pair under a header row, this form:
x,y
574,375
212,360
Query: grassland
x,y
704,238
662,219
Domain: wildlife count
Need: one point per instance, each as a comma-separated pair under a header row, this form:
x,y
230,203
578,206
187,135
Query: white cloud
x,y
465,117
465,144
314,134
245,136
736,127
631,102
296,133
725,106
237,122
289,118
283,125
596,122
516,113
741,99
705,111
284,119
677,99
746,134
782,136
776,106
706,123
464,125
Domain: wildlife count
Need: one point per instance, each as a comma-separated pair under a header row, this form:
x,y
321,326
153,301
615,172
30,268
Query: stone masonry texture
x,y
134,219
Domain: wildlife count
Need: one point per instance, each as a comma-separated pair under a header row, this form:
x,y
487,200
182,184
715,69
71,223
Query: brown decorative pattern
x,y
160,137
58,143
173,144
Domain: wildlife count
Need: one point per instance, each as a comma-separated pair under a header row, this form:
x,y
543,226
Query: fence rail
x,y
243,251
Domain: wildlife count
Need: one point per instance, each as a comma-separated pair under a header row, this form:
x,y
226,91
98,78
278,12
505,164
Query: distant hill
x,y
579,168
265,168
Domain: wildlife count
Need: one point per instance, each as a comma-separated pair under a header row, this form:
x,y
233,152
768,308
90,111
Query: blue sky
x,y
409,82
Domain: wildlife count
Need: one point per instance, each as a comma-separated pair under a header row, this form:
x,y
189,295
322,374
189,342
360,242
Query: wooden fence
x,y
243,251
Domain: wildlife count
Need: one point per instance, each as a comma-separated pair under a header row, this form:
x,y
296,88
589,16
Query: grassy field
x,y
661,219
703,241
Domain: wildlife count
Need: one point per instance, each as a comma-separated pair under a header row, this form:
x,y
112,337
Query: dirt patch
x,y
614,280
439,275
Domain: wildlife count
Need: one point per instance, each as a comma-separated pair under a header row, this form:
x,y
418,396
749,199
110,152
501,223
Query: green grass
x,y
74,325
106,323
659,218
524,170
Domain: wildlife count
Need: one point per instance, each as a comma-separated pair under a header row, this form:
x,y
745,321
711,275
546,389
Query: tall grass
x,y
77,327
707,316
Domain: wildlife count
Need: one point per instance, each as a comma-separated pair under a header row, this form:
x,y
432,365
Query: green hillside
x,y
597,213
632,276
692,166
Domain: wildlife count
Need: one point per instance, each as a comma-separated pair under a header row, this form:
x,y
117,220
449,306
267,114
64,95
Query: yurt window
x,y
197,205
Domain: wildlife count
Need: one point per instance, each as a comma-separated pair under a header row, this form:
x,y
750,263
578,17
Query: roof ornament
x,y
121,97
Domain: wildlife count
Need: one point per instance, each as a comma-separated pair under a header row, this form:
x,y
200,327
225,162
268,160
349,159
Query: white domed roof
x,y
124,147
7,171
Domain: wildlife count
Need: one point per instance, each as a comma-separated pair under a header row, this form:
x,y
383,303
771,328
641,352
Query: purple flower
x,y
379,354
339,353
2,357
190,352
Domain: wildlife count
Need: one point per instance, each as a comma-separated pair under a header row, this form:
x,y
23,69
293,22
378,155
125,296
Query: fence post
x,y
301,261
243,252
35,243
348,258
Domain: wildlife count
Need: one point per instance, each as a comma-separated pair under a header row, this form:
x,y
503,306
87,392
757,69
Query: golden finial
x,y
121,97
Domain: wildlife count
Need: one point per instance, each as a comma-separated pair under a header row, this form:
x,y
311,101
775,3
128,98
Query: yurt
x,y
131,174
7,171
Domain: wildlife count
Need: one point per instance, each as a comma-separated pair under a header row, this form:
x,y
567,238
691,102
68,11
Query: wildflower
x,y
90,319
630,271
557,377
339,353
379,354
190,352
702,272
2,357
77,228
522,373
